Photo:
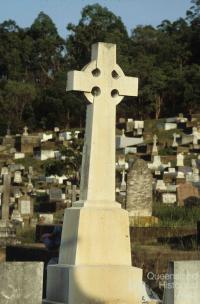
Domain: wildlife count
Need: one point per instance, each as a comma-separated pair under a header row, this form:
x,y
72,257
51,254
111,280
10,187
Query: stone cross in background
x,y
123,182
104,85
155,148
25,131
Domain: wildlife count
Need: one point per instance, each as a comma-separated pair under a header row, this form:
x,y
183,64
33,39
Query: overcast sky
x,y
62,12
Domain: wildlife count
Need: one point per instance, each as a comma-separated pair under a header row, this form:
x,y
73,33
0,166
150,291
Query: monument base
x,y
68,284
143,221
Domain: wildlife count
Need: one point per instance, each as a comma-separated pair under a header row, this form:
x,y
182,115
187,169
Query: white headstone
x,y
47,218
19,155
18,177
180,160
169,198
25,206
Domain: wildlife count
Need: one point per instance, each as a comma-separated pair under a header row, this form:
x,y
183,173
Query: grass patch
x,y
174,216
26,235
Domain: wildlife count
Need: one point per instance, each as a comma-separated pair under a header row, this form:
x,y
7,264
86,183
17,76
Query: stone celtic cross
x,y
104,85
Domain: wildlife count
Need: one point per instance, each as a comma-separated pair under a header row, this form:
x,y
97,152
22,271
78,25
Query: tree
x,y
15,97
97,24
48,48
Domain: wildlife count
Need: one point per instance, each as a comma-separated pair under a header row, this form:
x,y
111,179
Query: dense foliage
x,y
34,62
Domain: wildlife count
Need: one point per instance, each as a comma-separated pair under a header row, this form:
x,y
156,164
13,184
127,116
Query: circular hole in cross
x,y
114,93
96,72
115,75
96,91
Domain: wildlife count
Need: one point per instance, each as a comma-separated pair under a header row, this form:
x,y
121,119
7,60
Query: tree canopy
x,y
34,62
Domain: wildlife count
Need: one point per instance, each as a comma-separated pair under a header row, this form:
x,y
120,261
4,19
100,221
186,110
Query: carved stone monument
x,y
95,256
139,194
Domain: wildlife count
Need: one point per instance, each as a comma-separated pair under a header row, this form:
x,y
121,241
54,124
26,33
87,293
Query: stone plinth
x,y
95,260
94,284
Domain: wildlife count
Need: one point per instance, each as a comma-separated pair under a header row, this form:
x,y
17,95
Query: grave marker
x,y
90,249
139,190
155,148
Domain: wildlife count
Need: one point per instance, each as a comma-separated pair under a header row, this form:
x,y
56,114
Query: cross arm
x,y
79,81
128,86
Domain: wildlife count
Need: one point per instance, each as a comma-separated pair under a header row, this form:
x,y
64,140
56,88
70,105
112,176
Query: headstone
x,y
139,126
55,194
169,198
21,282
180,175
46,154
46,218
170,126
19,155
4,170
182,283
56,129
157,164
25,133
160,185
25,206
122,120
139,190
175,144
18,177
46,137
195,175
129,125
180,160
93,256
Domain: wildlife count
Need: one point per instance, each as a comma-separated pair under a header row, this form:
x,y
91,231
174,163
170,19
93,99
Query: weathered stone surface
x,y
21,282
139,190
183,283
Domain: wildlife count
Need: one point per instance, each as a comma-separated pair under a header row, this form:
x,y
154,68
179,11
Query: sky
x,y
62,12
